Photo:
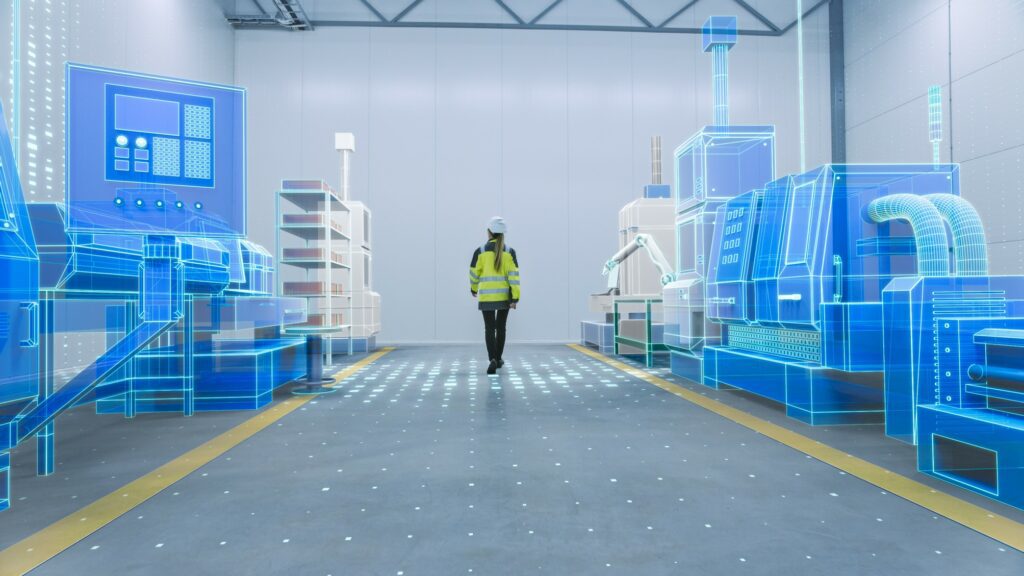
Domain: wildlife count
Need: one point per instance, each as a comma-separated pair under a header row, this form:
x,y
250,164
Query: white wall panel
x,y
984,33
402,158
535,177
469,89
899,135
268,124
601,176
549,129
983,181
871,24
913,60
975,50
989,106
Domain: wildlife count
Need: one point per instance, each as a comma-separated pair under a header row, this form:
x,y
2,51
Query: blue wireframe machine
x,y
716,164
848,293
19,310
148,253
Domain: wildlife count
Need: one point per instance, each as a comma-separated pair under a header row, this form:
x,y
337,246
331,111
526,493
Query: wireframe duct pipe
x,y
929,230
720,82
968,233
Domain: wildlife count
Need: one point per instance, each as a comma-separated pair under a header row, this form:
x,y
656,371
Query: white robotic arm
x,y
647,242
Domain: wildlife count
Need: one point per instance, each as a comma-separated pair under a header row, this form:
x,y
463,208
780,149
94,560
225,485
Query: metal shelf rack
x,y
310,213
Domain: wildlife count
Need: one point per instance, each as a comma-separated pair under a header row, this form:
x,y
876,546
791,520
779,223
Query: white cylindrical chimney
x,y
655,159
345,143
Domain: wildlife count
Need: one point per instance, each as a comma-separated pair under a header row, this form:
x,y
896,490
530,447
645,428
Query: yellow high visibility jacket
x,y
494,288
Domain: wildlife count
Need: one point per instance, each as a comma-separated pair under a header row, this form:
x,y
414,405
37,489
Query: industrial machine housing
x,y
848,293
148,253
645,228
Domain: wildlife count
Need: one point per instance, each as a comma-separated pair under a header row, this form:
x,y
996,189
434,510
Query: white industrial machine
x,y
364,306
645,225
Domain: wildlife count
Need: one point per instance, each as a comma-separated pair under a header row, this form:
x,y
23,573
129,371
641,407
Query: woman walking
x,y
494,282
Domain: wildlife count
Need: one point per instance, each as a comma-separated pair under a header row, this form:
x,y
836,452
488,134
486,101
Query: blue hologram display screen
x,y
153,155
135,114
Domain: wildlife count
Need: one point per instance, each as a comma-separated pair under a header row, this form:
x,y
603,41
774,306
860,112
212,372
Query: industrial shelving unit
x,y
310,213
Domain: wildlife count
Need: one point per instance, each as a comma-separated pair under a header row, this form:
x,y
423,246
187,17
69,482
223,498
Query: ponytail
x,y
499,249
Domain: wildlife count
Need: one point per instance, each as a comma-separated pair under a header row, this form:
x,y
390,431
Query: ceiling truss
x,y
289,15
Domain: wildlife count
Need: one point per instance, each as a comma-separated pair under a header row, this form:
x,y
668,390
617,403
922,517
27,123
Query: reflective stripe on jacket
x,y
490,283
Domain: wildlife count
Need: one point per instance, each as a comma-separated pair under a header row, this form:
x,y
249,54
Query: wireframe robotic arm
x,y
647,242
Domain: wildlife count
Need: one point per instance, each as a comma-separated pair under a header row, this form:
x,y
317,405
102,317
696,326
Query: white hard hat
x,y
497,225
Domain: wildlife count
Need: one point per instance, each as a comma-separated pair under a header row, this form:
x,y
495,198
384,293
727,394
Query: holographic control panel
x,y
153,156
159,137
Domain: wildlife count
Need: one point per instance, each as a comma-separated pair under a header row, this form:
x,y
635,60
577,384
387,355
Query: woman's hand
x,y
513,305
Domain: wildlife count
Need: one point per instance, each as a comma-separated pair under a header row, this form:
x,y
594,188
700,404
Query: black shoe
x,y
500,363
492,367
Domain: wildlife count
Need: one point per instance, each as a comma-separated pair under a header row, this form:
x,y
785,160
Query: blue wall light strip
x,y
935,121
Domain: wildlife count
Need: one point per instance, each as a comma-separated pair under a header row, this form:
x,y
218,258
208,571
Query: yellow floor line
x,y
974,517
62,534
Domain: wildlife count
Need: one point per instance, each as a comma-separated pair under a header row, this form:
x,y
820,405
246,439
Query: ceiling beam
x,y
677,13
265,23
405,12
373,9
761,17
636,14
510,11
545,11
807,13
243,24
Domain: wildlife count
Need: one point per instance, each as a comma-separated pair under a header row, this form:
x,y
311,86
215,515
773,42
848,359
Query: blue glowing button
x,y
141,154
179,204
122,140
139,202
119,201
159,203
199,205
140,142
121,152
122,165
142,166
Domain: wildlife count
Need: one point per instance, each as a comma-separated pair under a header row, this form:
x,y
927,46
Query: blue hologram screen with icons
x,y
148,254
164,155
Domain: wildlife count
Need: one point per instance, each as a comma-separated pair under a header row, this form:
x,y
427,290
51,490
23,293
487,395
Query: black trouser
x,y
494,332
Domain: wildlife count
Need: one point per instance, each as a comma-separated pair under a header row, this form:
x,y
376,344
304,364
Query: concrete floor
x,y
424,465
